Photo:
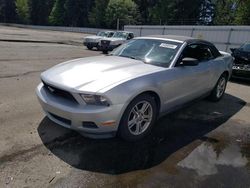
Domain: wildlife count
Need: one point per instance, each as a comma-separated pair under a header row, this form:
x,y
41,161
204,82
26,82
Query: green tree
x,y
76,12
163,12
225,12
187,12
144,7
124,10
40,10
176,12
7,11
57,15
22,9
97,14
243,13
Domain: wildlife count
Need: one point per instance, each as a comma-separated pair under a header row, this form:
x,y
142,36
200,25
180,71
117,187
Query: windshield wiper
x,y
132,57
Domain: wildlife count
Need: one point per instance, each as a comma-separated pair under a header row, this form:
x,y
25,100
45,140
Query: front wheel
x,y
90,47
219,89
138,118
105,51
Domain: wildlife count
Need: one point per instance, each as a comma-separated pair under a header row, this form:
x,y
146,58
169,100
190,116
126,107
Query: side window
x,y
201,52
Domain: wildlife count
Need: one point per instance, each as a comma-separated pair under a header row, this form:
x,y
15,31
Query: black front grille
x,y
59,92
88,124
105,42
61,119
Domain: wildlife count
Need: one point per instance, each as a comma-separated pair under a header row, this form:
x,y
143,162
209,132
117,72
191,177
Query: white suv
x,y
119,37
93,40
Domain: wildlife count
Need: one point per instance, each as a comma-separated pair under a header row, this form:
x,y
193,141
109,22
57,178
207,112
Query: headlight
x,y
95,100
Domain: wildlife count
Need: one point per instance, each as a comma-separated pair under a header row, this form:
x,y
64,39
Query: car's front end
x,y
110,44
241,66
92,115
73,94
241,71
92,42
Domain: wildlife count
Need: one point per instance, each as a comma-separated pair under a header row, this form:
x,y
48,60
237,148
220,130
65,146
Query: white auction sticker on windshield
x,y
165,45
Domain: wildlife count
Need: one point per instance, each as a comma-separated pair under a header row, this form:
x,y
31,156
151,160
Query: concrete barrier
x,y
224,37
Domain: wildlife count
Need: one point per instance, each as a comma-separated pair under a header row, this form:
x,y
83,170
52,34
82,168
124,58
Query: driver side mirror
x,y
188,61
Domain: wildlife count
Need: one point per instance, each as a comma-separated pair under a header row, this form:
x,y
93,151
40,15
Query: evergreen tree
x,y
176,12
163,12
144,7
7,11
77,12
187,12
124,10
97,14
243,12
22,9
225,12
40,10
57,15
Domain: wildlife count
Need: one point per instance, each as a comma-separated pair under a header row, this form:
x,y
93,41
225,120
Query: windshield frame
x,y
159,40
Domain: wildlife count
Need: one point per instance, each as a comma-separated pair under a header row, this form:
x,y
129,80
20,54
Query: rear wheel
x,y
90,47
138,118
105,51
219,89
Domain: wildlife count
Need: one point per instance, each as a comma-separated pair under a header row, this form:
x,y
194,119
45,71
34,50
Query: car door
x,y
185,83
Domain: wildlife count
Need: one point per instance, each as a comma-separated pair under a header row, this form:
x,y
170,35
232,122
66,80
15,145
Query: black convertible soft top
x,y
189,40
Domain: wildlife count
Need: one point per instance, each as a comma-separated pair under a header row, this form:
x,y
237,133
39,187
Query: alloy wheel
x,y
140,117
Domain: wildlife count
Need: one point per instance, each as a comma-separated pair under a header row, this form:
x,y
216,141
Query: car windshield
x,y
103,33
245,47
151,51
120,35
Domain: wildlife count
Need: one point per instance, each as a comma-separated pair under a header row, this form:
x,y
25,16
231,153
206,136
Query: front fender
x,y
126,92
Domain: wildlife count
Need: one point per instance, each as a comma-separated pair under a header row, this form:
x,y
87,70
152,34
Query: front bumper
x,y
91,44
77,116
108,47
241,72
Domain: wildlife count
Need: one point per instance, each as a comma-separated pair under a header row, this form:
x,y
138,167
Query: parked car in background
x,y
120,37
93,40
241,67
125,92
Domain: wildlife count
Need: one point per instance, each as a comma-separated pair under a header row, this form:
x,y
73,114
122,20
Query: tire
x,y
90,47
105,51
142,123
219,89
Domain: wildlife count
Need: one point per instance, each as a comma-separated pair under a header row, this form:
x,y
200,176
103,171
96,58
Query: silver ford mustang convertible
x,y
125,92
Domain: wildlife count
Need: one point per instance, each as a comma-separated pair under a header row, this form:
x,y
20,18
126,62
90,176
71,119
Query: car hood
x,y
116,39
95,73
93,37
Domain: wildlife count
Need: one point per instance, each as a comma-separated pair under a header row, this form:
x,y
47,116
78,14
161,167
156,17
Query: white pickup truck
x,y
119,37
93,40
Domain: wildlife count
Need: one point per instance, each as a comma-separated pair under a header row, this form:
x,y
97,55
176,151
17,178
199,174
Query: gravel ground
x,y
204,145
